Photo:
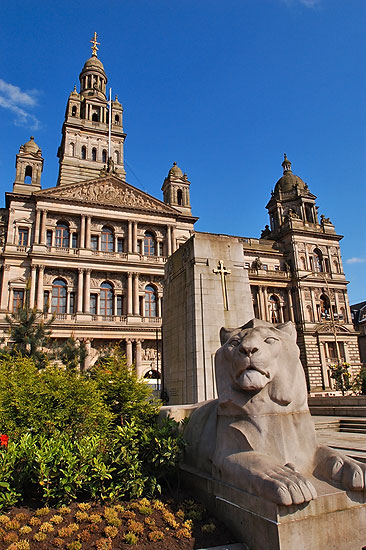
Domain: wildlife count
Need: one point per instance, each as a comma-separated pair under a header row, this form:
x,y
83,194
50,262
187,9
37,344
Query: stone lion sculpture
x,y
258,435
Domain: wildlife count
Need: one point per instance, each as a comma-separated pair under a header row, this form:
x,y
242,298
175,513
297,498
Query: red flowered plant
x,y
4,439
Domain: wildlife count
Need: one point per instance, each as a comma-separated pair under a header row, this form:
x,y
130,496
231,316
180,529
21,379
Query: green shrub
x,y
127,396
49,401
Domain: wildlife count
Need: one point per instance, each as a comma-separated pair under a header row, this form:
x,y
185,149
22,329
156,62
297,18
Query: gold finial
x,y
95,44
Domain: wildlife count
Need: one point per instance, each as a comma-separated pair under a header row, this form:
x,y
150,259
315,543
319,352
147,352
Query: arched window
x,y
107,239
73,110
62,235
83,152
149,244
180,197
106,299
104,156
335,266
274,309
94,154
303,262
116,157
150,301
59,294
116,119
72,149
318,261
95,117
324,307
28,174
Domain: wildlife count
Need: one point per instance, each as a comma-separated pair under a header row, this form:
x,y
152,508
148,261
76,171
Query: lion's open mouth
x,y
253,367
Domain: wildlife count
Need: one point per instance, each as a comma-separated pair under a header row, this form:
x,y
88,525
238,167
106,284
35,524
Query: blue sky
x,y
222,88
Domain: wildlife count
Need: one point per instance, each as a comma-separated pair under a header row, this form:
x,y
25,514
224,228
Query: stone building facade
x,y
296,273
91,250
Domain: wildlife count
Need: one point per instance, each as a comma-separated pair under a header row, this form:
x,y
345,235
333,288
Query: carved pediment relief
x,y
108,191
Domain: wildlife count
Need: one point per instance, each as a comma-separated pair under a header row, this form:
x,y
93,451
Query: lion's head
x,y
259,361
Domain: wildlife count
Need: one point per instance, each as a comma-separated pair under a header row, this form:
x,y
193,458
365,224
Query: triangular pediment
x,y
107,191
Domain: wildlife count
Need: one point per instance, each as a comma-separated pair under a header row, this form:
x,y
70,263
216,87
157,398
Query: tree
x,y
29,334
73,354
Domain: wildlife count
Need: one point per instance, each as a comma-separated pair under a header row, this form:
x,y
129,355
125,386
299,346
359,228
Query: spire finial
x,y
286,164
95,45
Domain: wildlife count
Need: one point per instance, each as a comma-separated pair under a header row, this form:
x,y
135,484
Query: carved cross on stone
x,y
222,271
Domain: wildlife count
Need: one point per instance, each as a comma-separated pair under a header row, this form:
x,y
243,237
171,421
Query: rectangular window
x,y
331,351
74,242
161,252
265,267
18,299
93,304
119,244
94,242
119,305
23,236
49,238
277,267
72,302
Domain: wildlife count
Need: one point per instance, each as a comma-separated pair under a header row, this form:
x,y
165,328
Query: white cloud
x,y
18,102
306,3
356,260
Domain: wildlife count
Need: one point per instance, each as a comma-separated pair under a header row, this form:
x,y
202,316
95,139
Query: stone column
x,y
80,290
313,303
43,227
5,288
169,240
138,358
158,241
129,236
82,232
129,294
159,306
40,288
129,351
174,244
32,290
290,305
36,227
10,236
87,291
265,300
136,294
88,228
336,302
134,246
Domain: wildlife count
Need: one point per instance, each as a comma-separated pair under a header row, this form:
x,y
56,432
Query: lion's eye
x,y
271,340
234,343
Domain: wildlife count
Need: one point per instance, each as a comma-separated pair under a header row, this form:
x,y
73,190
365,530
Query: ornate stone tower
x,y
318,291
176,190
29,166
85,133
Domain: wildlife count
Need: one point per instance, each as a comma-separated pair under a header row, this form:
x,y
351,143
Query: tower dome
x,y
287,182
175,171
31,146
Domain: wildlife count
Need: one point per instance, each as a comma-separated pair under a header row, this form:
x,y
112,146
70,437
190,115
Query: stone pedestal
x,y
206,287
336,520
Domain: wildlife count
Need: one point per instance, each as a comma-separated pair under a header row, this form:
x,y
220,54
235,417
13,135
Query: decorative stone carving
x,y
51,274
258,435
110,192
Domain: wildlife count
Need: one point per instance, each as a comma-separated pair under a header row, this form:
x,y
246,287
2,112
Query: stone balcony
x,y
100,320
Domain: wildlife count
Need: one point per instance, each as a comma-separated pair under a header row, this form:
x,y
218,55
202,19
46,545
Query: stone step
x,y
344,410
353,430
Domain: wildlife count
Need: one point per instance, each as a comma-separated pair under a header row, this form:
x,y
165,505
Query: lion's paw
x,y
284,485
351,474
